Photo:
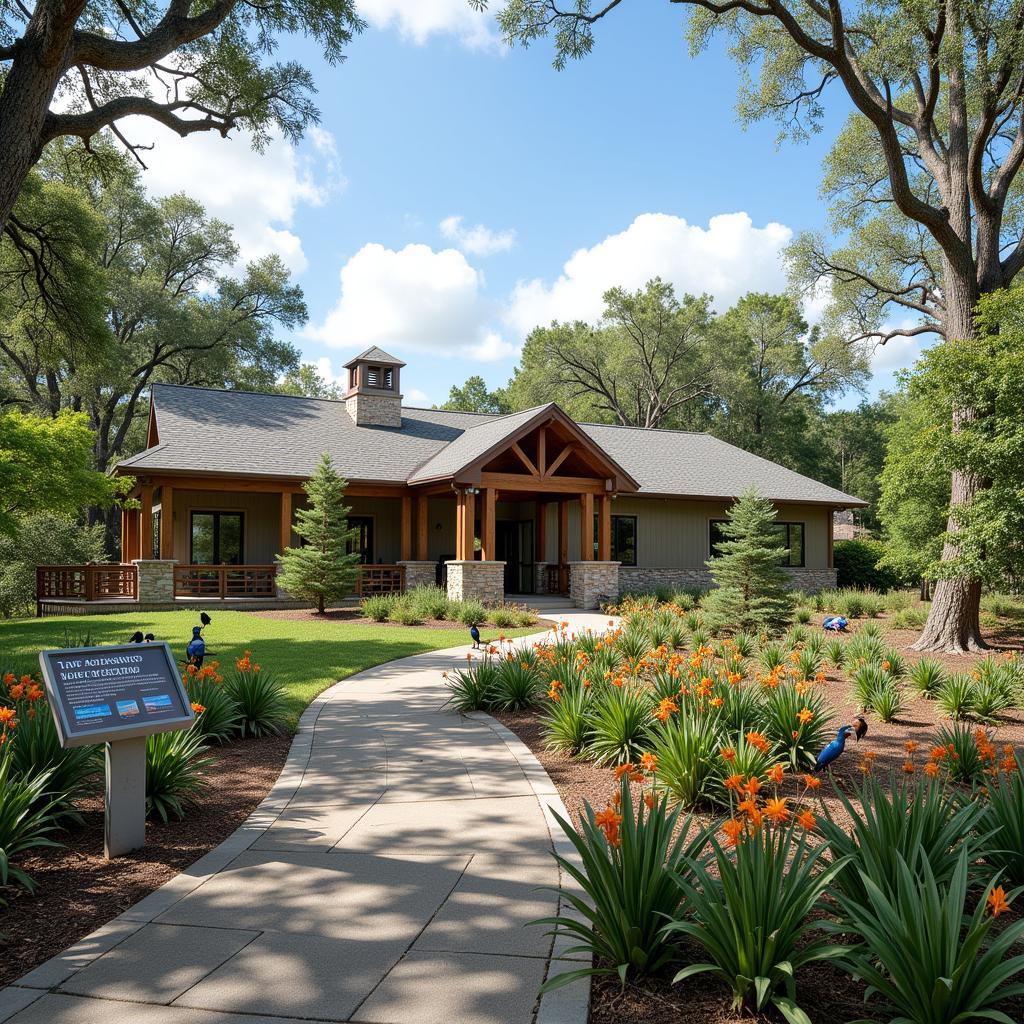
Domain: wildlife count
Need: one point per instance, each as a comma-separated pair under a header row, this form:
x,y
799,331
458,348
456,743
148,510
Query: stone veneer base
x,y
591,584
476,581
643,578
419,574
156,578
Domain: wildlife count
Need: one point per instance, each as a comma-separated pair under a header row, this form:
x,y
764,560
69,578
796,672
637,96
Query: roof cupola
x,y
374,398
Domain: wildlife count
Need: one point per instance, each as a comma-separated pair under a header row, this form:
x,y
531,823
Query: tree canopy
x,y
71,68
474,396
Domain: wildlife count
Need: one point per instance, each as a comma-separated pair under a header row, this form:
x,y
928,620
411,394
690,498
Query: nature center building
x,y
486,505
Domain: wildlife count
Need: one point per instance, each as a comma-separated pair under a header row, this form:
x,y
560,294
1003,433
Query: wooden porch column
x,y
604,528
406,527
166,521
286,521
488,513
586,527
541,554
466,526
146,522
563,532
422,527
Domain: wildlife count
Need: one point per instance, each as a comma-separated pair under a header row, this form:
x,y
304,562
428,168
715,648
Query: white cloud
x,y
414,396
726,259
477,240
418,20
257,193
412,298
899,353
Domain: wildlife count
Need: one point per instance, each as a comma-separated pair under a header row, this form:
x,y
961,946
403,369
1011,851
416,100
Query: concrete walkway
x,y
388,878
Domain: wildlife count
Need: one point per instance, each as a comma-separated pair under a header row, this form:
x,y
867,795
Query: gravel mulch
x,y
78,890
827,994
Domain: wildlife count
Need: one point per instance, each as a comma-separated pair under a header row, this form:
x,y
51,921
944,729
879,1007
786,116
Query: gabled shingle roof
x,y
374,355
236,433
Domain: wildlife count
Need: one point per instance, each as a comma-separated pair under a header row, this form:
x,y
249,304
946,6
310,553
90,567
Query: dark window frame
x,y
371,520
216,513
613,553
787,523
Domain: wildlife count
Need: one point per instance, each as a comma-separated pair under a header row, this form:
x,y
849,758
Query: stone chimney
x,y
374,398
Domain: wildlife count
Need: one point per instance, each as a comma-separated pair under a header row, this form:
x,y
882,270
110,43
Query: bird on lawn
x,y
833,750
474,632
205,619
136,637
860,727
149,638
196,649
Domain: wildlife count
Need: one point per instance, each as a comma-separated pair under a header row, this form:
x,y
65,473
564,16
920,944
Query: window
x,y
156,534
216,538
380,377
623,539
790,535
364,539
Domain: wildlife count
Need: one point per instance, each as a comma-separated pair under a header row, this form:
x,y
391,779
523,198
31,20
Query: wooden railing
x,y
380,579
558,579
86,582
225,581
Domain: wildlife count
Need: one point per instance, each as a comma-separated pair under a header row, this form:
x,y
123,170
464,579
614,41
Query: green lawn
x,y
305,656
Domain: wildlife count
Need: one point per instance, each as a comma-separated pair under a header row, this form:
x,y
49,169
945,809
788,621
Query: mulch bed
x,y
354,617
827,994
78,890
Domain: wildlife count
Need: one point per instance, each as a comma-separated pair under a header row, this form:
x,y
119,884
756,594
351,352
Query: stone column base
x,y
476,581
593,583
156,578
540,577
419,574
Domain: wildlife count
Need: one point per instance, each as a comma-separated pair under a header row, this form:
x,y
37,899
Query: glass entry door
x,y
216,538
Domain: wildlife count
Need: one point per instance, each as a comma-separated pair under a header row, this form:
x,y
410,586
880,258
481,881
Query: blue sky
x,y
437,209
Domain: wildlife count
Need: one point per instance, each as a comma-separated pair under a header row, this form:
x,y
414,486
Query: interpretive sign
x,y
114,693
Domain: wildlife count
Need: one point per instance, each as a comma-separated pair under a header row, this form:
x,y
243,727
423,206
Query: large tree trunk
x,y
954,621
28,91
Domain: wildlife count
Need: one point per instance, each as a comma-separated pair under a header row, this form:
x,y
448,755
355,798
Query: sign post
x,y
117,696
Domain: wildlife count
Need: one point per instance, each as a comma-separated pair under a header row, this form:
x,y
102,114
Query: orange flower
x,y
16,691
931,769
908,767
9,678
759,740
716,702
554,695
806,820
805,715
733,829
997,901
623,769
608,821
649,801
776,810
911,746
753,787
775,773
197,709
6,716
734,782
649,763
728,754
812,782
751,810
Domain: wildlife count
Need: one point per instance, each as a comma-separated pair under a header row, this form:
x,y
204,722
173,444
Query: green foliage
x,y
175,767
835,652
909,618
955,697
747,760
504,616
474,396
924,957
799,741
927,677
965,764
220,718
378,607
1002,820
888,701
46,465
406,612
26,818
753,588
911,821
41,538
630,888
865,682
750,917
430,602
686,746
324,568
473,687
259,701
857,565
519,683
470,612
567,721
620,724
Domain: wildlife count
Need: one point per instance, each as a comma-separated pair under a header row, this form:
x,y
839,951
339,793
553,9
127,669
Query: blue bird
x,y
833,750
475,634
196,650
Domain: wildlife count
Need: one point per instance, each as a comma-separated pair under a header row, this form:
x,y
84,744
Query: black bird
x,y
204,618
475,634
137,637
860,727
149,638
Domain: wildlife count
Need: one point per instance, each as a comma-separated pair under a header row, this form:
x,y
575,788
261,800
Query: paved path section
x,y
388,878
